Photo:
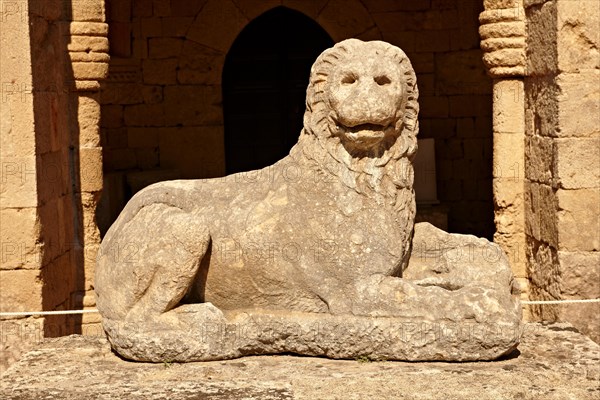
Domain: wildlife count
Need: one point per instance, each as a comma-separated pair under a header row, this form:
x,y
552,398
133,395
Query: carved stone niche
x,y
317,254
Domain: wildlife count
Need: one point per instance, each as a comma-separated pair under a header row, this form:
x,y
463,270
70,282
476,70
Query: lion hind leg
x,y
147,262
149,323
172,261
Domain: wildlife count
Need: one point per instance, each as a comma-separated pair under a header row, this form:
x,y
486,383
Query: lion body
x,y
297,235
306,256
265,254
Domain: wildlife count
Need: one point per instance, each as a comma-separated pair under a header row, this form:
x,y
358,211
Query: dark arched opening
x,y
264,87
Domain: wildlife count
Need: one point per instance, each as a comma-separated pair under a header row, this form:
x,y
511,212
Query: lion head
x,y
361,110
365,94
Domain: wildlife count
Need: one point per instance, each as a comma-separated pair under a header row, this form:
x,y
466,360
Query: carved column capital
x,y
502,34
88,52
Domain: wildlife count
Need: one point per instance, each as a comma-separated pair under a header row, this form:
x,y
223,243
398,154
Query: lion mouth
x,y
365,127
365,133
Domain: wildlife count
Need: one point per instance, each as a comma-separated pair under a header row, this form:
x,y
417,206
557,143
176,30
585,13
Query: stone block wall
x,y
455,96
51,167
20,229
562,202
503,31
161,104
37,271
162,107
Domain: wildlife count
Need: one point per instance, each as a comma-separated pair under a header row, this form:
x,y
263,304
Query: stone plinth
x,y
553,362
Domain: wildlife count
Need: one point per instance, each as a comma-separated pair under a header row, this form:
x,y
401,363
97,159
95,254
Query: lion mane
x,y
383,173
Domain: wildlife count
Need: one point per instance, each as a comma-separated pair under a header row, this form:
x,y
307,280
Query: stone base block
x,y
553,362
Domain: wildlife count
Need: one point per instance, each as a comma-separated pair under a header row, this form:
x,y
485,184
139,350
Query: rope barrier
x,y
30,313
63,312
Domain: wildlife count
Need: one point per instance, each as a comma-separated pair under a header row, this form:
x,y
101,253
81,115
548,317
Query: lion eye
x,y
348,79
382,80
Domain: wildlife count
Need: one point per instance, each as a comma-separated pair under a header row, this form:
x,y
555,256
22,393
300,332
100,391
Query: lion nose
x,y
368,103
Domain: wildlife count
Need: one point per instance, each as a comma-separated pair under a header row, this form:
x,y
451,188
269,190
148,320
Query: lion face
x,y
366,95
362,96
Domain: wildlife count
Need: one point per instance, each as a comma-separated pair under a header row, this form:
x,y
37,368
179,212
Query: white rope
x,y
63,312
30,313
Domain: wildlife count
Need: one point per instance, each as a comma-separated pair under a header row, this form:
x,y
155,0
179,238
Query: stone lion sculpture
x,y
313,254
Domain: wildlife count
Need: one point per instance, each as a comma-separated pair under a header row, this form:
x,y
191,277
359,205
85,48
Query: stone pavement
x,y
553,362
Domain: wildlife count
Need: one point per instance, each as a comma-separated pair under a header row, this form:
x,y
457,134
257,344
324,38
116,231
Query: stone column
x,y
502,34
20,248
562,92
88,52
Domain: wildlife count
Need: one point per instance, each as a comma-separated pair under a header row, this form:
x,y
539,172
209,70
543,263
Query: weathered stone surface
x,y
253,8
580,278
459,70
544,273
310,8
161,8
540,211
454,303
18,337
19,233
320,239
88,43
206,155
144,115
562,123
578,92
89,70
176,26
87,11
578,224
84,56
18,188
160,71
190,105
345,18
541,38
199,65
88,28
502,34
151,27
577,162
164,47
513,246
579,40
508,192
217,24
186,8
20,290
538,166
87,85
90,174
59,278
553,362
470,105
89,121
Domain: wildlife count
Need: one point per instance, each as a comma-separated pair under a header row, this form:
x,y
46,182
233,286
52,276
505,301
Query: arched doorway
x,y
264,87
